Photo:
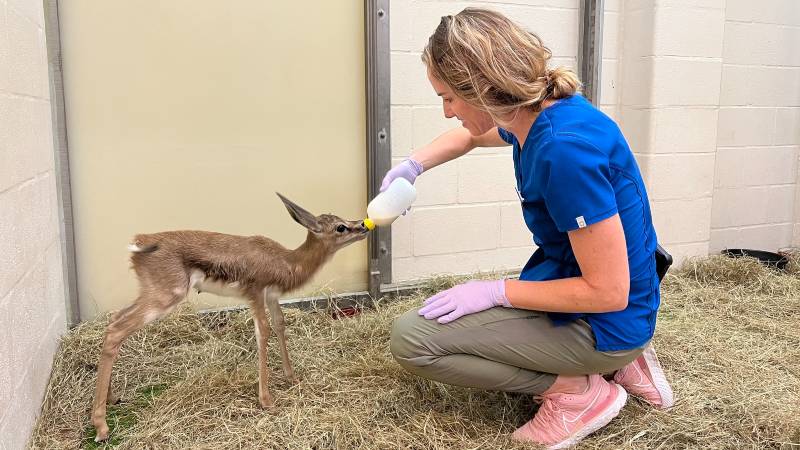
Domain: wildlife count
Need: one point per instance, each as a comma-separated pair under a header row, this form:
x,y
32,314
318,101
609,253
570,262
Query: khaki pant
x,y
503,349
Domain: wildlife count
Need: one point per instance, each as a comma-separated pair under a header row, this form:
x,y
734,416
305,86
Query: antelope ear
x,y
300,215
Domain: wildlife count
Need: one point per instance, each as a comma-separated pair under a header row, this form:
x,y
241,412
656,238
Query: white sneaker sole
x,y
598,422
659,379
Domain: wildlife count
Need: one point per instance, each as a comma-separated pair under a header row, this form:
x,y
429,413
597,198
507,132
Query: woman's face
x,y
473,119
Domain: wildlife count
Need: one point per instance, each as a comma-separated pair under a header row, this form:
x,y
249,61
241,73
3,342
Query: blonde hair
x,y
494,64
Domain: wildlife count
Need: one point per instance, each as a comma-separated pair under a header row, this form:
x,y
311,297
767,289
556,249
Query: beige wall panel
x,y
191,114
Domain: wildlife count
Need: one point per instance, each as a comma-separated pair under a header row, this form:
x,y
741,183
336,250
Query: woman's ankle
x,y
569,384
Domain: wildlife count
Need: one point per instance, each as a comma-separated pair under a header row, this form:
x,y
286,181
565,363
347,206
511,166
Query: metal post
x,y
52,31
378,141
590,52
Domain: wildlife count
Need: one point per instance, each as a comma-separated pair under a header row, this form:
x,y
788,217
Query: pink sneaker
x,y
565,419
645,379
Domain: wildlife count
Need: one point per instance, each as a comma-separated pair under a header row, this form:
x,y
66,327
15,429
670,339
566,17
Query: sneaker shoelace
x,y
549,407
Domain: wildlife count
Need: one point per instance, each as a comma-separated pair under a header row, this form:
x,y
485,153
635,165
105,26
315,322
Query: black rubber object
x,y
775,260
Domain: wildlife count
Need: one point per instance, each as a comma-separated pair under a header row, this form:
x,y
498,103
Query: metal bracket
x,y
590,44
63,186
379,149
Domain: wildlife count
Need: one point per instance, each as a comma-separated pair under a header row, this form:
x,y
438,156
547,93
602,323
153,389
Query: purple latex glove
x,y
408,169
467,298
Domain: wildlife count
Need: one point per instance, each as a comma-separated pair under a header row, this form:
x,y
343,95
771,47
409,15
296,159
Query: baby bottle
x,y
390,204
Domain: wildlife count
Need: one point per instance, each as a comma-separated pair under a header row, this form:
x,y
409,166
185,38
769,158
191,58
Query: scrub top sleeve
x,y
574,178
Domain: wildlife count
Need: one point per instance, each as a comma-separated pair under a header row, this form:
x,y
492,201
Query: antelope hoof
x,y
102,432
267,402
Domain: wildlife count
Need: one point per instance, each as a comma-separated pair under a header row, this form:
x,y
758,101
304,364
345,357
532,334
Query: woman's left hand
x,y
467,298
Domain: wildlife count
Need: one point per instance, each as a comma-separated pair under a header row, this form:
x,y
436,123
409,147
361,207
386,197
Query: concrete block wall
x,y
707,93
672,60
611,76
758,133
32,308
467,217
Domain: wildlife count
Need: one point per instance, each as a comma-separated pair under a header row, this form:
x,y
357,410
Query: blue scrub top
x,y
576,169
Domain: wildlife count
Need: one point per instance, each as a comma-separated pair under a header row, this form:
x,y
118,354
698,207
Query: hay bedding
x,y
728,336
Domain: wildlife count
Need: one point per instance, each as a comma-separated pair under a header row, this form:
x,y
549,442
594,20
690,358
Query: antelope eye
x,y
341,229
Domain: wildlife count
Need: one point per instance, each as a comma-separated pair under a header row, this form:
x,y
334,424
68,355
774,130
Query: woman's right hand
x,y
408,169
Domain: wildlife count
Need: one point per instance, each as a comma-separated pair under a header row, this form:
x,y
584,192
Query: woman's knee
x,y
406,338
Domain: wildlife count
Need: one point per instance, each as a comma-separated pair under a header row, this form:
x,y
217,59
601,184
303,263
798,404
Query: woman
x,y
586,302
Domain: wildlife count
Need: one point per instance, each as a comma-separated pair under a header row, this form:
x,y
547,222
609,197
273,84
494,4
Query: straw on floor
x,y
728,335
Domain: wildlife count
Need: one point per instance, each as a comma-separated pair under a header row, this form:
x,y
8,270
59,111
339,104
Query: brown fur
x,y
165,264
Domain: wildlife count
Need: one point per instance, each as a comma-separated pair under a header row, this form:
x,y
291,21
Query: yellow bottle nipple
x,y
369,224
